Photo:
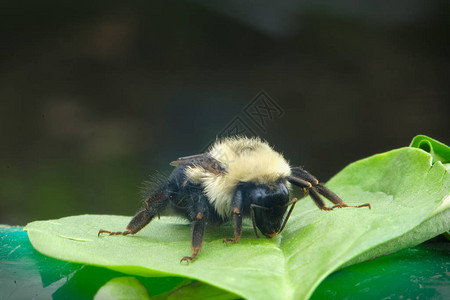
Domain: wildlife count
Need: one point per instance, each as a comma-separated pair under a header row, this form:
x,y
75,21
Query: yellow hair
x,y
245,160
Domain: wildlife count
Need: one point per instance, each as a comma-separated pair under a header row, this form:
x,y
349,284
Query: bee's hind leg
x,y
139,221
153,206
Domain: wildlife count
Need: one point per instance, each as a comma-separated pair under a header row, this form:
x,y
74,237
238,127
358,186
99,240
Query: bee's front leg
x,y
237,205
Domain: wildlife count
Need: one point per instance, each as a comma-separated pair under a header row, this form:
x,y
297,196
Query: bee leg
x,y
302,179
198,224
299,182
198,231
153,206
252,214
317,200
237,204
304,175
138,222
314,193
330,195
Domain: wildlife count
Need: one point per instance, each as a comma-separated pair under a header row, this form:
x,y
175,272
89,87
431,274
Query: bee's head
x,y
269,206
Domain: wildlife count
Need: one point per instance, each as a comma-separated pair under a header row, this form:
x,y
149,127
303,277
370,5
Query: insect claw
x,y
365,205
340,205
187,259
233,241
102,231
113,232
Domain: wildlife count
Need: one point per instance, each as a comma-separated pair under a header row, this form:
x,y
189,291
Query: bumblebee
x,y
237,178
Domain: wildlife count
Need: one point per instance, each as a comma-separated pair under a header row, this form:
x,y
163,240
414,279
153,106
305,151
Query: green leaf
x,y
126,288
439,151
405,189
197,290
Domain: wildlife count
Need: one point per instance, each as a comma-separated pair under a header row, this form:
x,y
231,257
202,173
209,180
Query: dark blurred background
x,y
96,95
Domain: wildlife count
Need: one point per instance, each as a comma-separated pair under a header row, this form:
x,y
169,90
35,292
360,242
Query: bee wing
x,y
204,160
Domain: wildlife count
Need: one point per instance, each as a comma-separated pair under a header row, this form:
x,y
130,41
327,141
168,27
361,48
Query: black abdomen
x,y
186,198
